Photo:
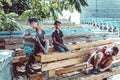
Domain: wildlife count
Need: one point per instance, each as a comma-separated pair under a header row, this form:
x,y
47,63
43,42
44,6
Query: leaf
x,y
1,5
25,15
12,14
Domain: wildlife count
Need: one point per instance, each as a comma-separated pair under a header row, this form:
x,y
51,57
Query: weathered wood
x,y
2,47
84,45
65,55
20,59
89,44
14,46
38,76
81,66
71,69
101,76
2,43
51,73
63,63
51,49
37,58
19,52
13,41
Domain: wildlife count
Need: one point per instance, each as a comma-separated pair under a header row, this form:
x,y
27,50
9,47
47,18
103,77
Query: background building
x,y
101,9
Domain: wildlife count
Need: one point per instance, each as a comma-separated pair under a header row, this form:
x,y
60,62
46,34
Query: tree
x,y
51,8
7,23
18,6
8,2
78,3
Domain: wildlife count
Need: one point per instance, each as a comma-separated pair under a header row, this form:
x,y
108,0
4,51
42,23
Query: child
x,y
102,59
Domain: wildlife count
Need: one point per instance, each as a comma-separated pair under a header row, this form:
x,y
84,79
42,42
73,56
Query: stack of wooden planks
x,y
57,64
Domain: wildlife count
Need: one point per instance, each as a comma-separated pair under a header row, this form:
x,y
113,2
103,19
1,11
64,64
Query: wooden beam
x,y
85,45
63,63
89,44
82,76
37,58
81,66
20,59
38,76
14,46
101,76
51,49
71,69
51,73
65,55
14,41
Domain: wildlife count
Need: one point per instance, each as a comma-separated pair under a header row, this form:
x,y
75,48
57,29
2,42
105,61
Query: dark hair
x,y
115,49
57,22
32,20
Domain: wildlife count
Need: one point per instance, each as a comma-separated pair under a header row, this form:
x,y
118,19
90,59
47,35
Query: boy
x,y
102,59
30,37
57,37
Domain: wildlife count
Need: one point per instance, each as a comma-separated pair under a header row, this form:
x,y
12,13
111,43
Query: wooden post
x,y
51,73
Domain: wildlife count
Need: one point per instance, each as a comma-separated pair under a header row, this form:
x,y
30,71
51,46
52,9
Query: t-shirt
x,y
57,36
30,32
41,35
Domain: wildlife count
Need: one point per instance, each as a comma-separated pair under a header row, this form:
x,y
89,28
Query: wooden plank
x,y
63,63
2,47
20,59
51,73
92,76
82,76
65,55
2,43
37,58
101,76
14,41
81,66
89,44
70,69
20,52
51,49
14,46
38,76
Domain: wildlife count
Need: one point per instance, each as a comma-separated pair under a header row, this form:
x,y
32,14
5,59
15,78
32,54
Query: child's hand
x,y
101,70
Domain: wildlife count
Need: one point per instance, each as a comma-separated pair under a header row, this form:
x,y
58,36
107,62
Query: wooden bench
x,y
56,64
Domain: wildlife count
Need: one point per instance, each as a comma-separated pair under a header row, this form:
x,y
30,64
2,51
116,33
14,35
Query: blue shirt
x,y
41,35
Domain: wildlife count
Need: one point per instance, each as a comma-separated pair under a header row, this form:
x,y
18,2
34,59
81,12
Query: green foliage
x,y
7,23
51,8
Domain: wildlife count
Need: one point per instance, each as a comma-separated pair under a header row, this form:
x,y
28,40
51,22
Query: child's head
x,y
115,50
57,24
33,22
112,51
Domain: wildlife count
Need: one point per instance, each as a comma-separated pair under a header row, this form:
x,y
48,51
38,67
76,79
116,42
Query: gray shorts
x,y
99,54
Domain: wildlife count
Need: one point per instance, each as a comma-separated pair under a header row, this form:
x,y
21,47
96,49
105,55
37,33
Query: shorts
x,y
99,54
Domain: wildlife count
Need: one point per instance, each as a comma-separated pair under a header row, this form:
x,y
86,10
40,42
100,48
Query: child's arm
x,y
89,60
